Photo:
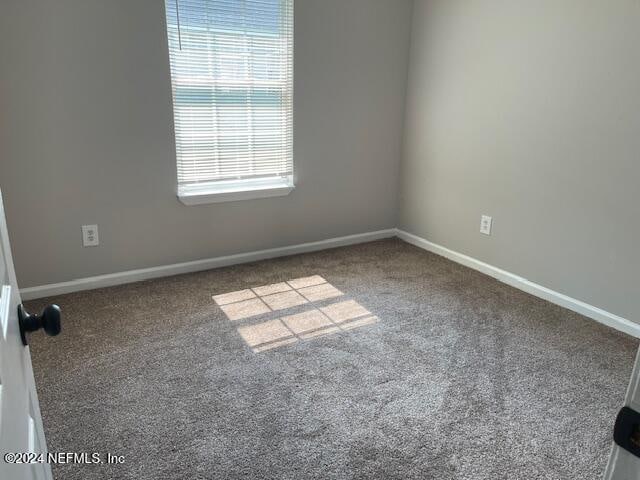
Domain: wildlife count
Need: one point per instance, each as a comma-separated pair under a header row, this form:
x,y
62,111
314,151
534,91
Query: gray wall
x,y
86,136
529,111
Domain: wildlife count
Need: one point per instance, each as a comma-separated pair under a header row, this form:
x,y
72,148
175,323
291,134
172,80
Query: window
x,y
232,82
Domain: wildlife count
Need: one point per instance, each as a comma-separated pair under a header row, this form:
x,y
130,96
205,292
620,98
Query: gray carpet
x,y
454,376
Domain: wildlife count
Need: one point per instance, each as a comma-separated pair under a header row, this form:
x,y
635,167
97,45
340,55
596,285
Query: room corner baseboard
x,y
578,306
130,276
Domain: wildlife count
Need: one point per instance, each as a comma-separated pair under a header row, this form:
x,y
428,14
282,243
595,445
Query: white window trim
x,y
235,190
200,181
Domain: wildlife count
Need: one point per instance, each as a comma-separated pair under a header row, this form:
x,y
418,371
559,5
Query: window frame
x,y
218,191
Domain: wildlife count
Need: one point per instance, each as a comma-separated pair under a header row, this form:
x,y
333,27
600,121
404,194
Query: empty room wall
x,y
86,136
529,112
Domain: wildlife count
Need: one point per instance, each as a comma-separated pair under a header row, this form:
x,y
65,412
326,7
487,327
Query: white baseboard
x,y
111,279
595,313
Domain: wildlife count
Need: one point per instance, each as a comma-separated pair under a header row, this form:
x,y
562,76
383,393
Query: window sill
x,y
234,191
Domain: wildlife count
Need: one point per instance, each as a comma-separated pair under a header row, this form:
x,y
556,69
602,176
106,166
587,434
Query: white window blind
x,y
232,82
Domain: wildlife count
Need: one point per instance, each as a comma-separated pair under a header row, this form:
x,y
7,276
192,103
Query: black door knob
x,y
49,320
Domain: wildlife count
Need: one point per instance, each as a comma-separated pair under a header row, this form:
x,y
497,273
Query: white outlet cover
x,y
90,236
485,224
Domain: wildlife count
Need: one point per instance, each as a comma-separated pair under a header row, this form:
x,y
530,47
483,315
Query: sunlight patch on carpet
x,y
315,321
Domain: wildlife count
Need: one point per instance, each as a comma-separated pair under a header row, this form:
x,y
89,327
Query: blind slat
x,y
232,83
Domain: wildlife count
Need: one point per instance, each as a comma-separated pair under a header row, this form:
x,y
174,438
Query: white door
x,y
624,462
20,423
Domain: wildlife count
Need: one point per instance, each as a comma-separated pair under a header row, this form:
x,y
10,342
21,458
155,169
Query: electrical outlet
x,y
90,236
485,224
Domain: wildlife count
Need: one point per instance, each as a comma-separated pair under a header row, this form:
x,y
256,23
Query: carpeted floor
x,y
403,365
